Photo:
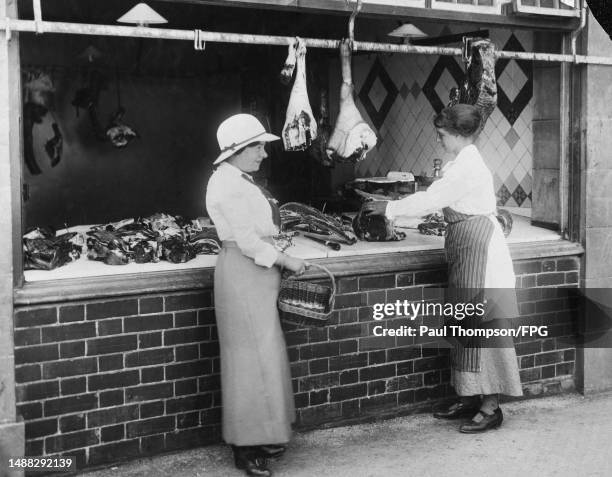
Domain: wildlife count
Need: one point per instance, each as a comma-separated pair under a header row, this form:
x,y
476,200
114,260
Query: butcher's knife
x,y
333,245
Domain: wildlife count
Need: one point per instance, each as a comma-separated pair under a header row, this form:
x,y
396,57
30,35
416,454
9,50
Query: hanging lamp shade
x,y
142,14
408,30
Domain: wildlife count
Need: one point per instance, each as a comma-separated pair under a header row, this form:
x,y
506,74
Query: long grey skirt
x,y
256,393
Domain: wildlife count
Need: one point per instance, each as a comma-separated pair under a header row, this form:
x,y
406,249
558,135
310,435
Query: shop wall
x,y
107,380
169,105
400,94
595,123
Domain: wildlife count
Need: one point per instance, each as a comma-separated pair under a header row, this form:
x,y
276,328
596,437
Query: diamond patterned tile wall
x,y
400,94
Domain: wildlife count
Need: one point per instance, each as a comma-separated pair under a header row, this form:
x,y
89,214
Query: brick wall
x,y
111,380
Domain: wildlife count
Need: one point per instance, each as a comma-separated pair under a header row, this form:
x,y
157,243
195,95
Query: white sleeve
x,y
235,209
450,188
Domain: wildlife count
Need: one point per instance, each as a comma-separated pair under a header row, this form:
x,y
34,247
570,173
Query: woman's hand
x,y
296,265
374,207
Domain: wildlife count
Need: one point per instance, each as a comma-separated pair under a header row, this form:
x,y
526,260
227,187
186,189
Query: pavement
x,y
564,435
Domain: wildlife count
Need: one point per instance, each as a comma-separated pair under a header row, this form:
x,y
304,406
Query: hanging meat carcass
x,y
352,137
480,86
324,130
300,127
38,100
55,145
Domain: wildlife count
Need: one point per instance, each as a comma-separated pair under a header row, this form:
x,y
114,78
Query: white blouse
x,y
466,186
241,213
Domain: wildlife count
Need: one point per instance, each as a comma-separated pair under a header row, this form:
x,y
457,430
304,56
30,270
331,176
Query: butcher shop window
x,y
119,133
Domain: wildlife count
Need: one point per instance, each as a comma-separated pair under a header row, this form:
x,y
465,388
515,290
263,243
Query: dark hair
x,y
460,119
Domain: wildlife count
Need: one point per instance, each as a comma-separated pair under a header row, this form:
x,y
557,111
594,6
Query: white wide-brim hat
x,y
239,131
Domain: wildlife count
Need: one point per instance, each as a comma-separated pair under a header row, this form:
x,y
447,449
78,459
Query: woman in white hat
x,y
257,395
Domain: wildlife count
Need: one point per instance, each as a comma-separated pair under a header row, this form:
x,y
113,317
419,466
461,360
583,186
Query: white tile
x,y
519,172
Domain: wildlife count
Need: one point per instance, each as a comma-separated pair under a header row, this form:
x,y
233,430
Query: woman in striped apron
x,y
479,266
256,391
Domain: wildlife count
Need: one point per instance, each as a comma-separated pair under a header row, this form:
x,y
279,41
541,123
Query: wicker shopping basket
x,y
304,303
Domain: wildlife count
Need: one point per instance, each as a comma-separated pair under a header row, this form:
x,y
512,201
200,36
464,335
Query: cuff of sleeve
x,y
267,256
389,211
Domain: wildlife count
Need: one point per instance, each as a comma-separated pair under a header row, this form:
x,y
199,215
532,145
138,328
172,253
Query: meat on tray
x,y
42,250
144,240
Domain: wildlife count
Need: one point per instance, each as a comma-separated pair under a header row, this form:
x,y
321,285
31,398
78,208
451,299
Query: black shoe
x,y
256,466
458,410
247,459
271,451
482,422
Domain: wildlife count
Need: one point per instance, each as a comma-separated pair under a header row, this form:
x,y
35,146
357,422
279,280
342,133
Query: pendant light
x,y
142,15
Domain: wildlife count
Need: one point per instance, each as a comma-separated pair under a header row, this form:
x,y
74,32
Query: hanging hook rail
x,y
239,38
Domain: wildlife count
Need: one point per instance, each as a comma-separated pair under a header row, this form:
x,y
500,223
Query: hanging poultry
x,y
55,145
352,137
300,127
118,133
38,100
480,86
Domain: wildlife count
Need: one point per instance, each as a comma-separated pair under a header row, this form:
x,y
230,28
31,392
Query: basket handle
x,y
332,297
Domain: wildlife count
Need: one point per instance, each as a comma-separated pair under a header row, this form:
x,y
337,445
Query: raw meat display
x,y
352,137
43,250
150,239
375,228
433,224
315,224
480,87
300,127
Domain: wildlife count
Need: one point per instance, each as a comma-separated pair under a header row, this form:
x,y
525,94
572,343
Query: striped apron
x,y
478,370
466,245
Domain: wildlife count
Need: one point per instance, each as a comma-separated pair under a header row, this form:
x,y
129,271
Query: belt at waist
x,y
466,218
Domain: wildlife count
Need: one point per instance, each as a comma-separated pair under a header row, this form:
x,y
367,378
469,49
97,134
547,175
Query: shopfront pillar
x,y
595,360
11,432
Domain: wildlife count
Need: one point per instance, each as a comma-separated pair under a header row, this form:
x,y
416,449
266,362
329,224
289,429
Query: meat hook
x,y
466,50
351,24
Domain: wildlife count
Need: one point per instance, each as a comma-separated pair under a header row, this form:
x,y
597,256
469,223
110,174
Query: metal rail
x,y
36,26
